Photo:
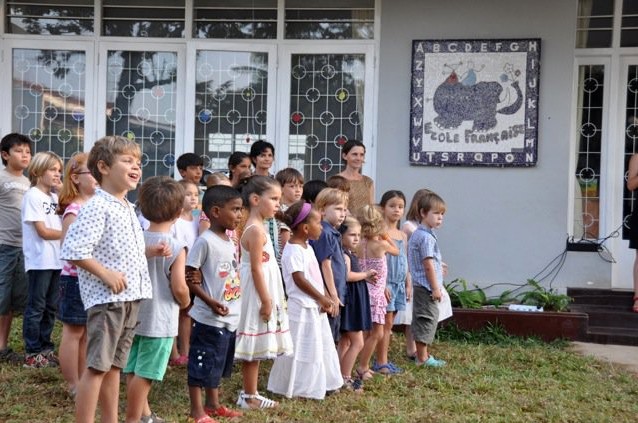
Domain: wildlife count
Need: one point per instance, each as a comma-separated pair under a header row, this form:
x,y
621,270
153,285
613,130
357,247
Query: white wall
x,y
502,224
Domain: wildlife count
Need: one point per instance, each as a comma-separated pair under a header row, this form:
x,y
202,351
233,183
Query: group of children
x,y
270,269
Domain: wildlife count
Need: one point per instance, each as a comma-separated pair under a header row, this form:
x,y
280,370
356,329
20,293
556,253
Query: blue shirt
x,y
329,246
422,245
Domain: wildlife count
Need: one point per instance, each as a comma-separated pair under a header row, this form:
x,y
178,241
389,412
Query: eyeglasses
x,y
86,172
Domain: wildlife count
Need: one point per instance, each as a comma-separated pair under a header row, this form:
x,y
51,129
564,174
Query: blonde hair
x,y
217,178
106,148
40,163
348,223
69,190
371,219
413,211
329,197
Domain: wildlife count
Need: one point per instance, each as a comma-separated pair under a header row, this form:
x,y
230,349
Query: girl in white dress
x,y
263,331
314,367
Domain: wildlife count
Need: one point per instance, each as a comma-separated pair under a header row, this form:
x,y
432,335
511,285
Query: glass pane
x,y
141,100
594,23
631,145
216,19
230,104
326,110
330,20
587,177
143,18
44,17
48,96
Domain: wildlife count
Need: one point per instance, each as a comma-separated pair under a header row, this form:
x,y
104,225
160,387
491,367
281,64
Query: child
x,y
311,189
191,167
424,261
332,204
106,243
16,155
42,230
372,255
356,315
291,181
185,229
77,188
238,167
161,199
262,155
263,326
217,305
314,367
404,317
398,281
217,178
339,182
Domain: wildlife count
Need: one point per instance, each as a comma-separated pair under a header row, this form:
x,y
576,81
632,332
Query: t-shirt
x,y
159,315
186,231
215,257
12,189
329,246
108,231
296,258
38,206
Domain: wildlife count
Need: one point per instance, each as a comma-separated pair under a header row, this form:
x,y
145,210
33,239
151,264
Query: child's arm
x,y
111,278
178,280
389,245
162,249
430,273
46,233
632,173
255,240
352,276
325,303
198,291
329,281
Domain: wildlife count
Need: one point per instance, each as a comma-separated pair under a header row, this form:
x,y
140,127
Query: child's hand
x,y
336,306
266,310
371,276
193,276
325,304
220,309
162,249
408,291
436,294
115,280
388,295
444,269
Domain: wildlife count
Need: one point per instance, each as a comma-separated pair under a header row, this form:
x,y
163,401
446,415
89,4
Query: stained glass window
x,y
230,103
48,98
326,110
141,103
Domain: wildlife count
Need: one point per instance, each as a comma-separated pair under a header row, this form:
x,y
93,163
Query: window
x,y
47,17
240,19
330,19
143,18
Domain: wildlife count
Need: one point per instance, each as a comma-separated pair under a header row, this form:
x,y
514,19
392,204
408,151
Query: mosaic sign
x,y
474,102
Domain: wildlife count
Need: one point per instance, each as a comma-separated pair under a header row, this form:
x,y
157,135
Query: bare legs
x,y
96,385
369,345
5,329
635,308
384,343
72,354
350,345
137,389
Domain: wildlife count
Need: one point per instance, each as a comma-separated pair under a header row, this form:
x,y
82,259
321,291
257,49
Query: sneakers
x,y
7,355
153,418
431,362
36,361
222,412
53,359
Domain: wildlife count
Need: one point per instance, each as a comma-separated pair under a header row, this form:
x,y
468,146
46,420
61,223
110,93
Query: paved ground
x,y
617,354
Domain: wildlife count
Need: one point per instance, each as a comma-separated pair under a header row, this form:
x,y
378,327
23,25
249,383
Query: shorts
x,y
70,307
149,357
13,280
397,296
210,356
110,328
425,316
335,325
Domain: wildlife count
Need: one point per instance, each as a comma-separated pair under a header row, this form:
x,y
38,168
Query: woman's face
x,y
241,169
356,157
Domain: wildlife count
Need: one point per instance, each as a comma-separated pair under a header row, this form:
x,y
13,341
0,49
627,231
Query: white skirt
x,y
314,367
404,317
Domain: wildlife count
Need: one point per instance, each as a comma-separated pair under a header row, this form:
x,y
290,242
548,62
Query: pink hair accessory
x,y
303,213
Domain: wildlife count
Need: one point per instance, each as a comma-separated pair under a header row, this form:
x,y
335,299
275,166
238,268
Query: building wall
x,y
503,225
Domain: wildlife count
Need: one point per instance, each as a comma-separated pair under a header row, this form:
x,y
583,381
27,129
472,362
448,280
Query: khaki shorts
x,y
425,316
110,329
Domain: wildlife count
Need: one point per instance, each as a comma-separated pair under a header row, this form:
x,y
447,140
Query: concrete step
x,y
610,335
608,316
606,297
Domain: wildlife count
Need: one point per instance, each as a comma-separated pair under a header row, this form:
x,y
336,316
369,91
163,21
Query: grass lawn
x,y
490,377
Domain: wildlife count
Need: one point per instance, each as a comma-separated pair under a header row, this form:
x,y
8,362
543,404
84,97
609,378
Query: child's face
x,y
291,192
192,173
18,157
268,202
264,160
314,225
242,169
334,214
124,174
394,209
350,239
51,177
432,219
229,216
191,199
84,180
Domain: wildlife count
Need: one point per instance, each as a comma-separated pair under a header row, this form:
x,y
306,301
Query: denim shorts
x,y
397,296
149,357
13,280
211,355
70,307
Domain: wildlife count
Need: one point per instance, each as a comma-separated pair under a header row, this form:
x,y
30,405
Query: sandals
x,y
263,401
222,412
387,369
365,374
353,385
204,419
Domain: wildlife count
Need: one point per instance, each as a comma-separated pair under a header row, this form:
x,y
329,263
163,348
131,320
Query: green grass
x,y
490,377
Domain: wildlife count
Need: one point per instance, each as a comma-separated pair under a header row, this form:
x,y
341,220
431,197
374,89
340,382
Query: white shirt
x,y
39,253
296,258
186,231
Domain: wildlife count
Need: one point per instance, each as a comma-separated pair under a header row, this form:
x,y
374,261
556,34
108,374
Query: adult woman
x,y
632,185
361,193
